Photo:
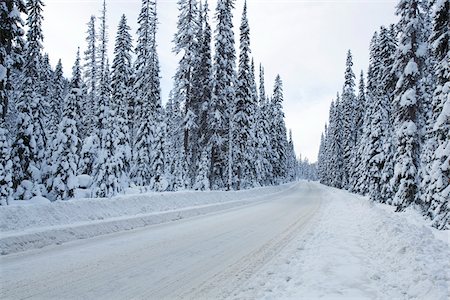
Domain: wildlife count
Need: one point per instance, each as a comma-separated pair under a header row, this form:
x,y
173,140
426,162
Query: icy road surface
x,y
204,257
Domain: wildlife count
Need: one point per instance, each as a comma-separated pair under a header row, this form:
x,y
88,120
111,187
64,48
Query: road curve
x,y
198,258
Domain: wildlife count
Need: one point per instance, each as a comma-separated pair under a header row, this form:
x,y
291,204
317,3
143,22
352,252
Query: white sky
x,y
304,41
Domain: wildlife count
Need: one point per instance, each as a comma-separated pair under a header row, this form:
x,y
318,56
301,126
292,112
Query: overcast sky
x,y
304,41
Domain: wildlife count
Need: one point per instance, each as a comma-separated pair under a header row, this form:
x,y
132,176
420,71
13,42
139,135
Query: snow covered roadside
x,y
27,227
355,249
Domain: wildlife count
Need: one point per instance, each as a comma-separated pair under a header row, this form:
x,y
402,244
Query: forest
x,y
391,139
107,128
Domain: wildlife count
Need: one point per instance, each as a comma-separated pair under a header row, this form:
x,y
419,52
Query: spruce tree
x,y
11,59
263,164
279,143
121,85
438,176
28,150
186,41
66,145
243,113
222,101
348,120
408,65
58,95
205,80
91,80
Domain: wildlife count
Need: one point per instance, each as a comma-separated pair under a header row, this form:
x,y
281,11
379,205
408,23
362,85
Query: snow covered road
x,y
203,257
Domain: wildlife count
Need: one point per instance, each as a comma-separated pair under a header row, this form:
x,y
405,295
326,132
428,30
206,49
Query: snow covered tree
x,y
121,85
438,170
291,164
186,41
222,101
58,94
11,47
205,80
243,149
335,144
66,145
6,166
348,120
108,168
263,163
278,134
28,150
147,103
408,66
356,155
91,80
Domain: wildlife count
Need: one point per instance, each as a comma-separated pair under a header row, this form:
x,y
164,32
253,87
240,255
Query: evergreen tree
x,y
356,155
438,176
279,143
11,47
348,120
263,163
121,85
243,113
223,95
186,41
408,65
66,145
28,150
91,80
205,80
58,95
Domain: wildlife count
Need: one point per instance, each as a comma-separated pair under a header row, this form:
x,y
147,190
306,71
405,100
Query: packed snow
x,y
295,241
356,249
37,223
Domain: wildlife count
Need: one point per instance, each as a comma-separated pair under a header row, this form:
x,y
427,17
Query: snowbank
x,y
355,249
24,227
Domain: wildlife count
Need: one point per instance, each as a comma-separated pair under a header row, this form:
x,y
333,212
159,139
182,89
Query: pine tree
x,y
263,164
243,113
205,80
223,97
278,134
108,166
121,85
147,103
438,175
66,145
356,154
11,48
58,95
28,150
335,144
186,41
6,166
408,65
348,120
91,80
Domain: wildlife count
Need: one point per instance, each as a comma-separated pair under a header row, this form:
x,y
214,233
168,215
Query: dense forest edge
x,y
391,139
106,129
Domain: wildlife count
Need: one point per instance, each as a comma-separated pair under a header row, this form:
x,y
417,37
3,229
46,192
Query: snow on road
x,y
356,250
307,242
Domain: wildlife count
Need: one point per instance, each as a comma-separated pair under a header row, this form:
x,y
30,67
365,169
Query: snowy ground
x,y
358,250
302,241
27,225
